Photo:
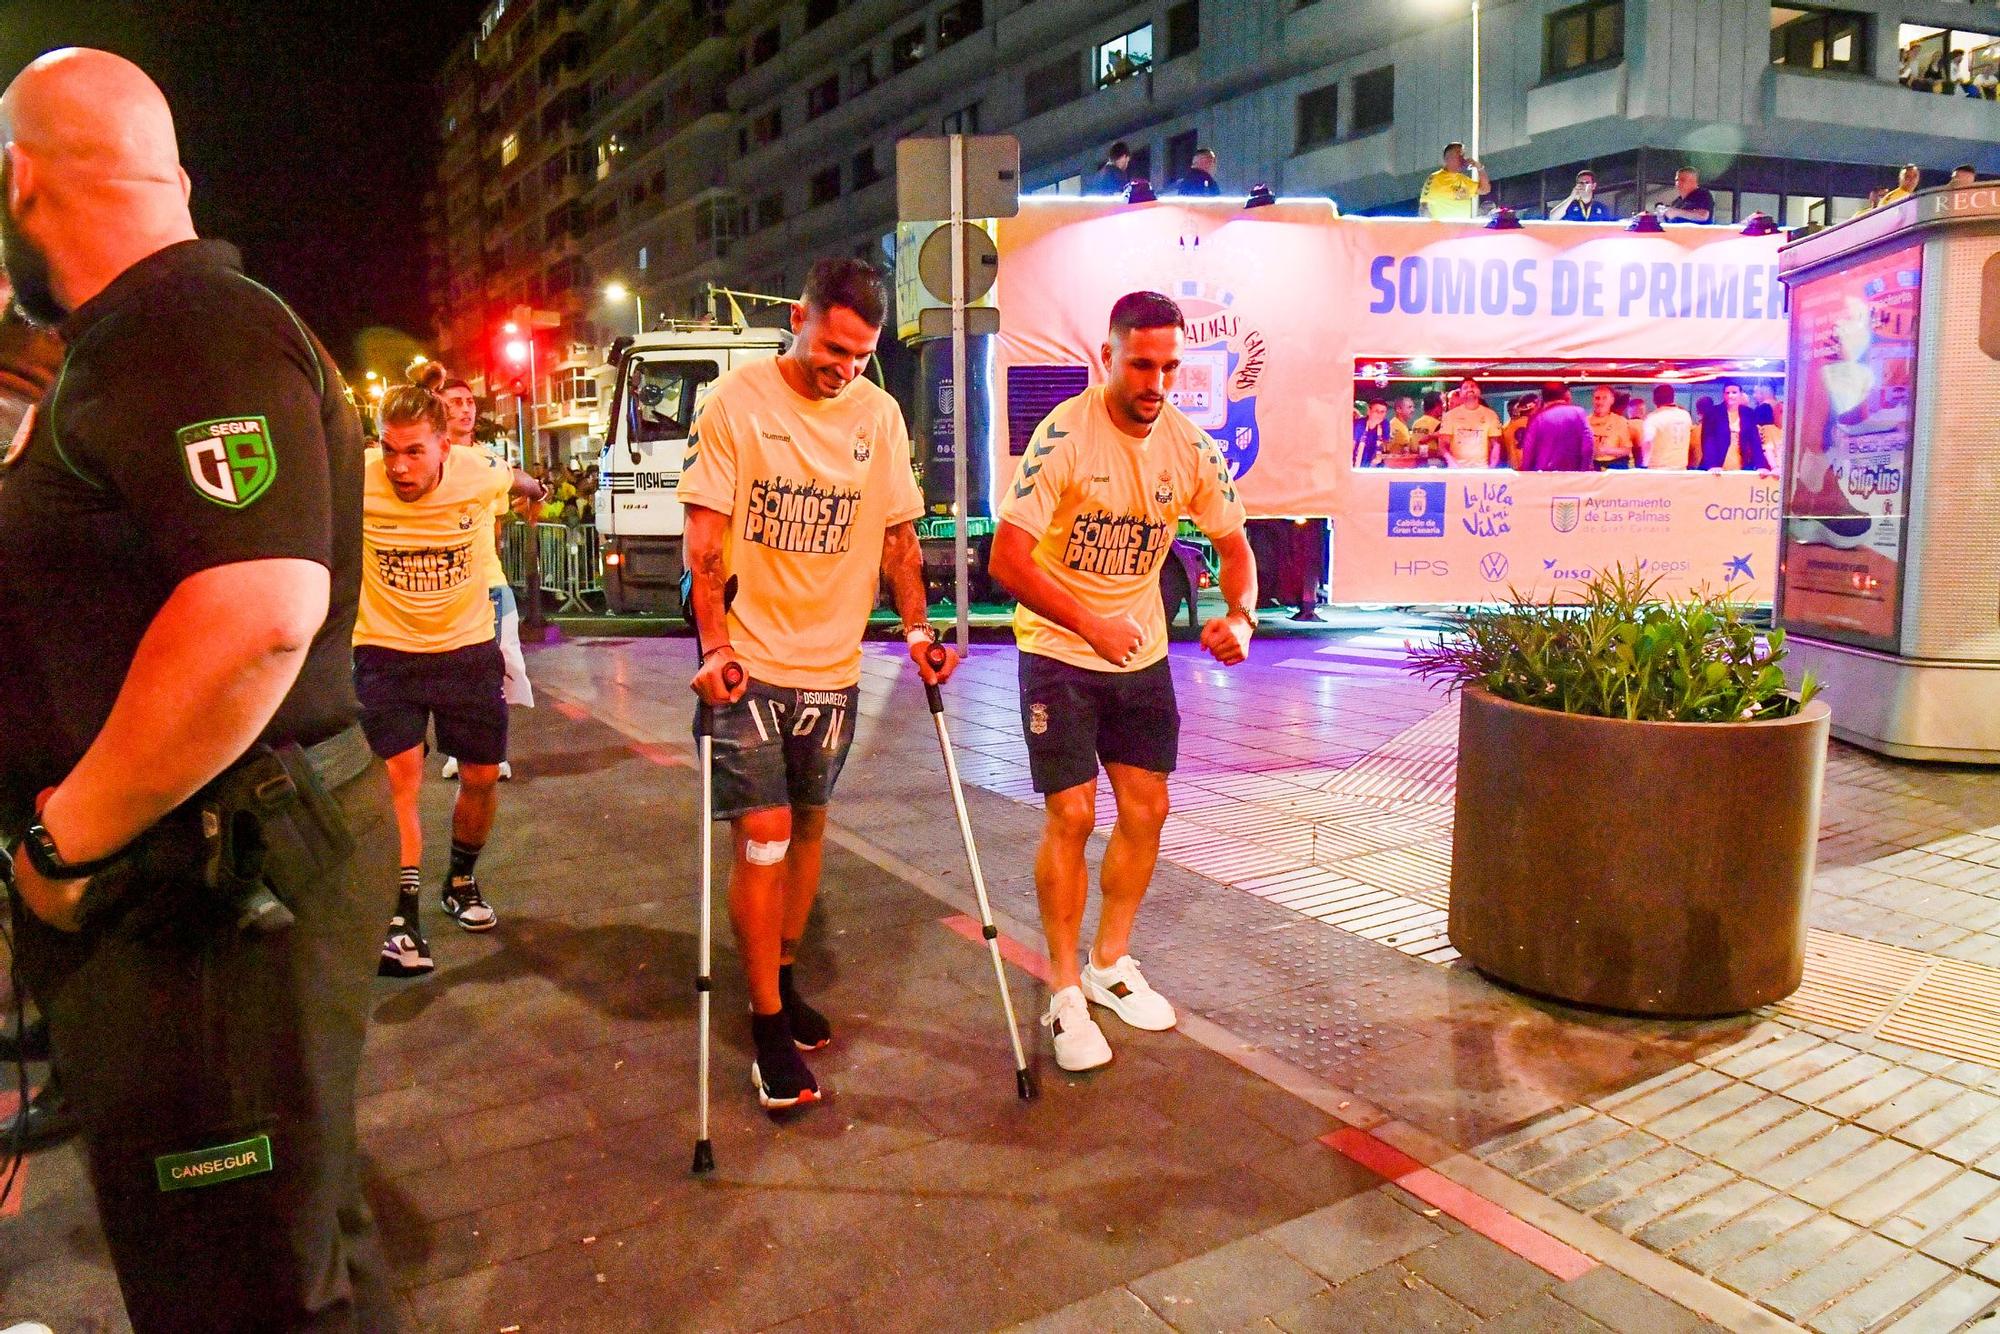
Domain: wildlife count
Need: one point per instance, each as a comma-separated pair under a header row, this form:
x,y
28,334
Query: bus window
x,y
665,396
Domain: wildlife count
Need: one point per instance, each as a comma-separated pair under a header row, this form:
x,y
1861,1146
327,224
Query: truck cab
x,y
662,377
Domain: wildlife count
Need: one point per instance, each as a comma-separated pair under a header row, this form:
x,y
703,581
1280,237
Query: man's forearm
x,y
903,567
212,669
1239,574
1015,568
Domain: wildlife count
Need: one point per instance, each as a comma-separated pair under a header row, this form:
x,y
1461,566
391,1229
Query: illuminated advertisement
x,y
1853,389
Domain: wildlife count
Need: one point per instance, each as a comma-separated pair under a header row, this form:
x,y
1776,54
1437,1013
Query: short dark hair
x,y
1663,395
410,404
840,280
1119,149
1555,391
454,383
1687,167
1145,310
1728,385
1586,172
1965,166
1433,402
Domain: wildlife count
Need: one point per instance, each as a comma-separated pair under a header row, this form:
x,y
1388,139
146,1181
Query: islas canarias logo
x,y
1220,370
229,461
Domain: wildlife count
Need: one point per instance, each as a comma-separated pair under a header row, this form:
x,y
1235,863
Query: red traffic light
x,y
516,351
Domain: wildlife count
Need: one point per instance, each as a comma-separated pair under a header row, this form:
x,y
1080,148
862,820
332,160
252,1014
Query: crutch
x,y
1024,1079
704,720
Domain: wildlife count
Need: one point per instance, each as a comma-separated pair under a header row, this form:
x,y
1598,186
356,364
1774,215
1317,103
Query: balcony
x,y
1577,100
1342,163
1101,114
1844,115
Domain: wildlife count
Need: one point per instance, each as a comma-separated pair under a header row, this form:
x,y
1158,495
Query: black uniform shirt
x,y
195,423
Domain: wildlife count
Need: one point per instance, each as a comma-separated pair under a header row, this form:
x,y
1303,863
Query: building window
x,y
510,148
819,11
1950,61
866,173
860,74
762,48
1180,152
1124,56
823,96
1374,100
1319,118
1822,39
826,185
1052,85
1583,37
960,21
906,49
770,211
1183,29
965,120
767,127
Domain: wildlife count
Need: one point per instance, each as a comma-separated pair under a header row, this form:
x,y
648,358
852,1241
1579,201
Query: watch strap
x,y
47,858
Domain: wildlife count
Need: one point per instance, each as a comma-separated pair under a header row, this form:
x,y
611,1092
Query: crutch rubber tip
x,y
1024,1084
704,1156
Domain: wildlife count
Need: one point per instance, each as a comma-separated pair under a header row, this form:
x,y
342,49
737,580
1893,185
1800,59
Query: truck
x,y
660,379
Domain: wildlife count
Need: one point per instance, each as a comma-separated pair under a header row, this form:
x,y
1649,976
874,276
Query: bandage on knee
x,y
765,854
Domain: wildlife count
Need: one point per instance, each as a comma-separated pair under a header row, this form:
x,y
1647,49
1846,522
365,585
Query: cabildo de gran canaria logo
x,y
1220,369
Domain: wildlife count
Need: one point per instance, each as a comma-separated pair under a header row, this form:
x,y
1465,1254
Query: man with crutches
x,y
798,490
1091,513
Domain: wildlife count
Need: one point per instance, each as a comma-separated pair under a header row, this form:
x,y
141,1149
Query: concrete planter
x,y
1659,868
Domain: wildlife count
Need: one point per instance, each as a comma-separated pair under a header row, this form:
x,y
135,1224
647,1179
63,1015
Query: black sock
x,y
786,992
408,882
462,860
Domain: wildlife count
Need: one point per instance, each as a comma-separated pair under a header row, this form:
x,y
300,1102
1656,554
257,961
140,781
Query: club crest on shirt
x,y
863,450
1038,718
1164,492
465,521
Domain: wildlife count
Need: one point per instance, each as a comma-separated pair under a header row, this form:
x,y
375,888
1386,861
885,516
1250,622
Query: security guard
x,y
198,829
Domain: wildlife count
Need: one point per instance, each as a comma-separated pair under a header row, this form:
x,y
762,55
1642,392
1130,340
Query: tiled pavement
x,y
1799,1156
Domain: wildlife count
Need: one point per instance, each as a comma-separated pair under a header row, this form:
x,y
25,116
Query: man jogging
x,y
1105,481
424,647
799,493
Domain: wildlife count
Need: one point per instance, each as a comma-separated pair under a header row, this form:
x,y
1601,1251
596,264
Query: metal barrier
x,y
572,565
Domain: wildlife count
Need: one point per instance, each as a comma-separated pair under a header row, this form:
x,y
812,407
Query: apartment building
x,y
663,146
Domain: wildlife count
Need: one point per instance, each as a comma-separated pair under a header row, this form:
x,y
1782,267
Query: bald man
x,y
198,831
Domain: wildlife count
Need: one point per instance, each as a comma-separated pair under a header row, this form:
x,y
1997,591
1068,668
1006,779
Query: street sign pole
x,y
960,390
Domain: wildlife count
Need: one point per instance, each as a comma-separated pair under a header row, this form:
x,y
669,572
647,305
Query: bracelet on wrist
x,y
926,633
719,648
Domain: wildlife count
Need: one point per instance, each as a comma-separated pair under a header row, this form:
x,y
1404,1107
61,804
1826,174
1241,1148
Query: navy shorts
x,y
1074,717
462,690
778,746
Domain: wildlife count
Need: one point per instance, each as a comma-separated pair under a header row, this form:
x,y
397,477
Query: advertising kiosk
x,y
1889,583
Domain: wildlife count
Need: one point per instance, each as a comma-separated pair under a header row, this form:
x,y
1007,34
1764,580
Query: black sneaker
x,y
810,1029
462,900
405,953
779,1076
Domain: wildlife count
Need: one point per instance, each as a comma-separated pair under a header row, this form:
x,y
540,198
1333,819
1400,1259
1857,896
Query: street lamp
x,y
1475,74
616,294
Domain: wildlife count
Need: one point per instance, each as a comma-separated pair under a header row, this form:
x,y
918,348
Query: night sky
x,y
308,127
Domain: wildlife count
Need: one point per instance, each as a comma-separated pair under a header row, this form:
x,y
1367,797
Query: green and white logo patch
x,y
229,461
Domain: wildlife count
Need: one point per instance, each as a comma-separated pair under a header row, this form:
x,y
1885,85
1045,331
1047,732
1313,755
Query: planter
x,y
1659,868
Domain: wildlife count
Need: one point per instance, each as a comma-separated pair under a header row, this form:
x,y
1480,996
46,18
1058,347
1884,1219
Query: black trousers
x,y
174,1048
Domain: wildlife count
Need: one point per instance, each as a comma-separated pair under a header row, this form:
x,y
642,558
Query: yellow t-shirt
x,y
1895,196
488,554
1467,433
810,486
1103,507
1610,436
1449,194
422,588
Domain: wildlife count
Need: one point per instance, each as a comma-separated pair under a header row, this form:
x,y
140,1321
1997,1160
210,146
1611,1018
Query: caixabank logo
x,y
1220,371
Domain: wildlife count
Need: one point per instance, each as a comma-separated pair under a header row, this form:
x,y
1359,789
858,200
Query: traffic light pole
x,y
531,614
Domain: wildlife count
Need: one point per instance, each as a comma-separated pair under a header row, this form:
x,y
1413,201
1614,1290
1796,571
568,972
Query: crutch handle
x,y
934,658
732,675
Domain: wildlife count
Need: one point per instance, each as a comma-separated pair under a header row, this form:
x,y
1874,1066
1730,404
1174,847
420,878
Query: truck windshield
x,y
664,397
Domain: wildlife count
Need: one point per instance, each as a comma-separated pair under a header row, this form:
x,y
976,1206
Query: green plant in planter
x,y
1620,653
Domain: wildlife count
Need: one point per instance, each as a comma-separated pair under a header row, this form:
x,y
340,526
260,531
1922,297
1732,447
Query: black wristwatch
x,y
47,859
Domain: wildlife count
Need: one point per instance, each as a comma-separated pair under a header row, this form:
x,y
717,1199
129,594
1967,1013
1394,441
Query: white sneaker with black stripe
x,y
462,900
1124,990
1080,1043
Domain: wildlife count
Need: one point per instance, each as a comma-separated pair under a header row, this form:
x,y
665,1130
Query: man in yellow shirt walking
x,y
1093,507
799,494
424,649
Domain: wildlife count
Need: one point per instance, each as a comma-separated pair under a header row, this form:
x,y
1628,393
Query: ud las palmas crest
x,y
229,461
1221,366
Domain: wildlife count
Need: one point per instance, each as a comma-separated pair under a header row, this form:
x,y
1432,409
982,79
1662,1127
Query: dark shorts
x,y
1073,717
462,689
778,746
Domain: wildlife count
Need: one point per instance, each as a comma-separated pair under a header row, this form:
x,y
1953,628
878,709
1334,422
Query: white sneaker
x,y
506,771
1123,989
450,769
1080,1043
